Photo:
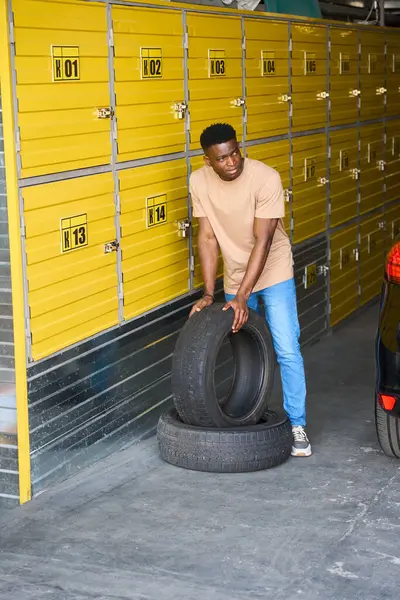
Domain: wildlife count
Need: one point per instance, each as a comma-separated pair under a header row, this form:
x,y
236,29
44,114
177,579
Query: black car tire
x,y
226,450
388,431
193,365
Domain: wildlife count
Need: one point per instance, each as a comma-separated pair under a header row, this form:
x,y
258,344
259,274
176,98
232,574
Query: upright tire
x,y
193,366
226,450
387,430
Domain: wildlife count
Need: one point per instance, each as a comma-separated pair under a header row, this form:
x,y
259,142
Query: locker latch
x,y
180,109
382,225
381,165
239,102
323,180
105,113
323,270
110,247
183,227
381,91
355,93
287,194
356,254
323,95
285,98
355,173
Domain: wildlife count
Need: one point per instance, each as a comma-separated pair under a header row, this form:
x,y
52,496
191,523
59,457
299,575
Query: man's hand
x,y
239,305
200,304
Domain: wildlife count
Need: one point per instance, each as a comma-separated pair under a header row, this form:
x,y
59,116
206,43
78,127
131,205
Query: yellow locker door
x,y
392,170
71,262
343,176
277,156
309,187
61,61
344,273
372,167
149,82
372,74
393,73
344,90
309,76
196,162
215,73
267,78
392,221
371,256
154,235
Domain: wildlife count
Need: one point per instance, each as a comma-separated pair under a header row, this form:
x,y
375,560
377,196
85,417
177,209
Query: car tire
x,y
193,365
388,431
225,450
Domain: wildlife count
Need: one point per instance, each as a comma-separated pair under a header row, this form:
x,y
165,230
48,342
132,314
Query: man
x,y
239,204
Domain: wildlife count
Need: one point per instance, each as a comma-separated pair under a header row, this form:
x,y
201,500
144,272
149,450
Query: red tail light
x,y
393,264
386,401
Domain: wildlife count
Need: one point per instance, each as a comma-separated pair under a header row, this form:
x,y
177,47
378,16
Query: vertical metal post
x,y
244,95
381,6
290,108
359,171
328,171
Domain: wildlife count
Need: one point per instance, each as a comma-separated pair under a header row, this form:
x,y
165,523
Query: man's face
x,y
226,160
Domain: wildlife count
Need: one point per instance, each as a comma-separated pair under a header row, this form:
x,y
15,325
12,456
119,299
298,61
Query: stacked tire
x,y
235,433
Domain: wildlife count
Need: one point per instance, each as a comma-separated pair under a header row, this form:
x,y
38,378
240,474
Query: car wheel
x,y
225,450
388,431
194,362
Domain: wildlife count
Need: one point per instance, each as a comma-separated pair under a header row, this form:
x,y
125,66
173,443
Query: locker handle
x,y
355,173
381,165
287,194
323,95
381,91
323,180
180,108
239,102
183,227
285,98
355,93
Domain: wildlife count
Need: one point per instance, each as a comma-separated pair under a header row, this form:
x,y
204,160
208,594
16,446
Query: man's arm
x,y
264,230
208,252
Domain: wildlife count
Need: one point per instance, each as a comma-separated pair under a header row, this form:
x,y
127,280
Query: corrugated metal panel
x,y
9,486
96,397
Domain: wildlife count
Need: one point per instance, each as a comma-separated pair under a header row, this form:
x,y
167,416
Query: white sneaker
x,y
301,445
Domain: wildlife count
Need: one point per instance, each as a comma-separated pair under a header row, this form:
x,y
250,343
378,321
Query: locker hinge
x,y
290,44
384,138
292,223
22,230
329,209
191,264
244,42
111,247
111,38
329,151
185,40
118,204
359,289
329,308
18,140
359,145
27,330
291,160
11,29
329,254
329,45
114,130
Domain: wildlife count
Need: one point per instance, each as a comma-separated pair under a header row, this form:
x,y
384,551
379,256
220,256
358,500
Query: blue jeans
x,y
281,313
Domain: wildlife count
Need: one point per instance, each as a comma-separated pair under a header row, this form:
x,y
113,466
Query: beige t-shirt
x,y
231,207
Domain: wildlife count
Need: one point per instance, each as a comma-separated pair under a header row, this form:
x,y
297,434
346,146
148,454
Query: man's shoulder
x,y
198,176
260,169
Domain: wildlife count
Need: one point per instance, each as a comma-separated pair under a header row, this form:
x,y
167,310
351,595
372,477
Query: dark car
x,y
387,404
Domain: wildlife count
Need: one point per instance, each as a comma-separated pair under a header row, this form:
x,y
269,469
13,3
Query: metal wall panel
x,y
372,74
267,78
372,156
72,279
215,73
309,187
149,82
392,223
101,395
9,484
371,256
311,277
155,253
343,273
61,58
344,91
392,168
392,72
309,76
343,176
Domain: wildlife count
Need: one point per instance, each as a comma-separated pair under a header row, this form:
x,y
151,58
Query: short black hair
x,y
219,133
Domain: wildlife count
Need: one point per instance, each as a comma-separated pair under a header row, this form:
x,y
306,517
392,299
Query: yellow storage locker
x,y
392,222
267,78
309,76
154,235
371,256
372,166
277,156
372,74
61,60
344,90
149,82
392,169
393,72
196,162
343,273
215,73
344,175
71,275
309,201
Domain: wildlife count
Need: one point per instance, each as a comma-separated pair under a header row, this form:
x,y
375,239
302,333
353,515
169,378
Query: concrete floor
x,y
132,527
